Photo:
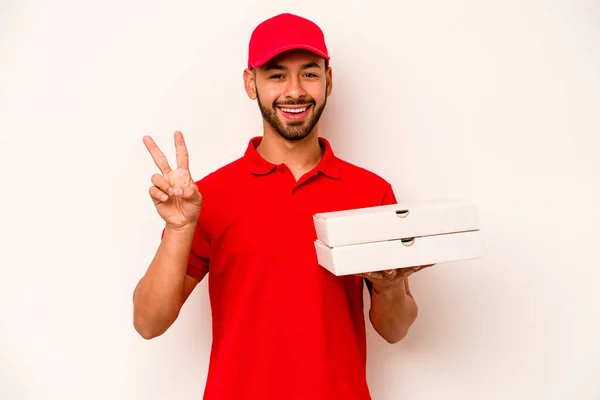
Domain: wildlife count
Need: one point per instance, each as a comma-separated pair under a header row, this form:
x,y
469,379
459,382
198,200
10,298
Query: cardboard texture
x,y
379,256
397,236
403,220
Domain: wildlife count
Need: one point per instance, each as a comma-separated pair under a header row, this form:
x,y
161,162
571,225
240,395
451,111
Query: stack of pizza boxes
x,y
398,236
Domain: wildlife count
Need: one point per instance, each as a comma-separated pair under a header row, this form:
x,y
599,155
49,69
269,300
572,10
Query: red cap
x,y
281,33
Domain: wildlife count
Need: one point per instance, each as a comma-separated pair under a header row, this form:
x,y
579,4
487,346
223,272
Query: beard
x,y
292,130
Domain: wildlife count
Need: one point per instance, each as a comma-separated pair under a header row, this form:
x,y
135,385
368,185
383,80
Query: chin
x,y
297,138
294,137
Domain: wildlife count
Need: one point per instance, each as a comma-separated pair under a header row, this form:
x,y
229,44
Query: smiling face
x,y
291,90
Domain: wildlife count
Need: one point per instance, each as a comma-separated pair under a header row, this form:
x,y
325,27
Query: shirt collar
x,y
328,165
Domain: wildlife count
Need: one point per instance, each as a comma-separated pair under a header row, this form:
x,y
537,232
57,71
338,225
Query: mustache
x,y
294,103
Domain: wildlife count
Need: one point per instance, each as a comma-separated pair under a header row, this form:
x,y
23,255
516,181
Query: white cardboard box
x,y
391,254
397,236
397,221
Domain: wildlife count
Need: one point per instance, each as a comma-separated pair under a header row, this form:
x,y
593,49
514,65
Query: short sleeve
x,y
199,255
389,197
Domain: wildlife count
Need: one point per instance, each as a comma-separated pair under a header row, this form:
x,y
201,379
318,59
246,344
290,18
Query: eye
x,y
276,76
310,75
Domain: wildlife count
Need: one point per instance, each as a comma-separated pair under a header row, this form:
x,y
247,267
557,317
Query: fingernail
x,y
164,197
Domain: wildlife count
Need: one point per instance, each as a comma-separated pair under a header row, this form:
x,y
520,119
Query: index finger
x,y
181,151
159,158
373,275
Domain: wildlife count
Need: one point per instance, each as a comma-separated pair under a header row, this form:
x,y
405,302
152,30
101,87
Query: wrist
x,y
395,290
181,230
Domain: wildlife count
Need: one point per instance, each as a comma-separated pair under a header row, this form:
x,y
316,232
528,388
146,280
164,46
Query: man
x,y
284,328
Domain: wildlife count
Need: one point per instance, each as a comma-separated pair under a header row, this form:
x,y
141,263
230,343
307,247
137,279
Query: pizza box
x,y
397,221
400,253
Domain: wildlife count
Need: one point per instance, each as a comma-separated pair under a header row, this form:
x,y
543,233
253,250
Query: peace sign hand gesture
x,y
175,194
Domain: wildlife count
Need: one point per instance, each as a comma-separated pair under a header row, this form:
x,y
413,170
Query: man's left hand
x,y
391,279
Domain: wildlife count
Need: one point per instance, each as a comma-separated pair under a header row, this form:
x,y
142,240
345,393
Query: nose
x,y
294,88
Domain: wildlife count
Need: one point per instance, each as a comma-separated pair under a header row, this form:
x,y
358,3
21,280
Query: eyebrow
x,y
270,67
310,65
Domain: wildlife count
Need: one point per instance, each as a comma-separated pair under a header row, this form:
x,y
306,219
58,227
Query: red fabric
x,y
283,326
282,33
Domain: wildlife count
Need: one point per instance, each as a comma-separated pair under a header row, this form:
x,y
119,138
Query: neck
x,y
300,156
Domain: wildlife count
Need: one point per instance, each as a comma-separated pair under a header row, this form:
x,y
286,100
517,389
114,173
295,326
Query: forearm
x,y
159,295
392,312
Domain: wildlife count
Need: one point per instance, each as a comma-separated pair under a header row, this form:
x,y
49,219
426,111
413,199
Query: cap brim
x,y
259,63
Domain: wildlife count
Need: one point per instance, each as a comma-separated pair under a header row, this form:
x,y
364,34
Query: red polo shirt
x,y
284,328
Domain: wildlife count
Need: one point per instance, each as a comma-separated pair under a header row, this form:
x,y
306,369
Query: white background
x,y
494,101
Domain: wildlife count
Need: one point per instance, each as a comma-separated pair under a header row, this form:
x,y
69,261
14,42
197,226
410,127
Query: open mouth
x,y
294,113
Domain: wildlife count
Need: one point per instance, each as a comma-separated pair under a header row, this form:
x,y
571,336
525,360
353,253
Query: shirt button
x,y
281,168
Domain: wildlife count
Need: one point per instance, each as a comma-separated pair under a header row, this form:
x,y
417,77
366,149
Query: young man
x,y
283,327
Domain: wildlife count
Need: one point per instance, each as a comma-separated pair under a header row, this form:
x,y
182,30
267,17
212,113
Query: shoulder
x,y
221,176
368,187
218,189
361,175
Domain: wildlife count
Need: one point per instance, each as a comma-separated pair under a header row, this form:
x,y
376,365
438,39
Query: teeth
x,y
294,110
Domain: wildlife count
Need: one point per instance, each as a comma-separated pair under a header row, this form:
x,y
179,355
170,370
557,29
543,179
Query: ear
x,y
250,83
329,81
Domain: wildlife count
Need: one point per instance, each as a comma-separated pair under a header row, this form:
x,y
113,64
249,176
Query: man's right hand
x,y
175,194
